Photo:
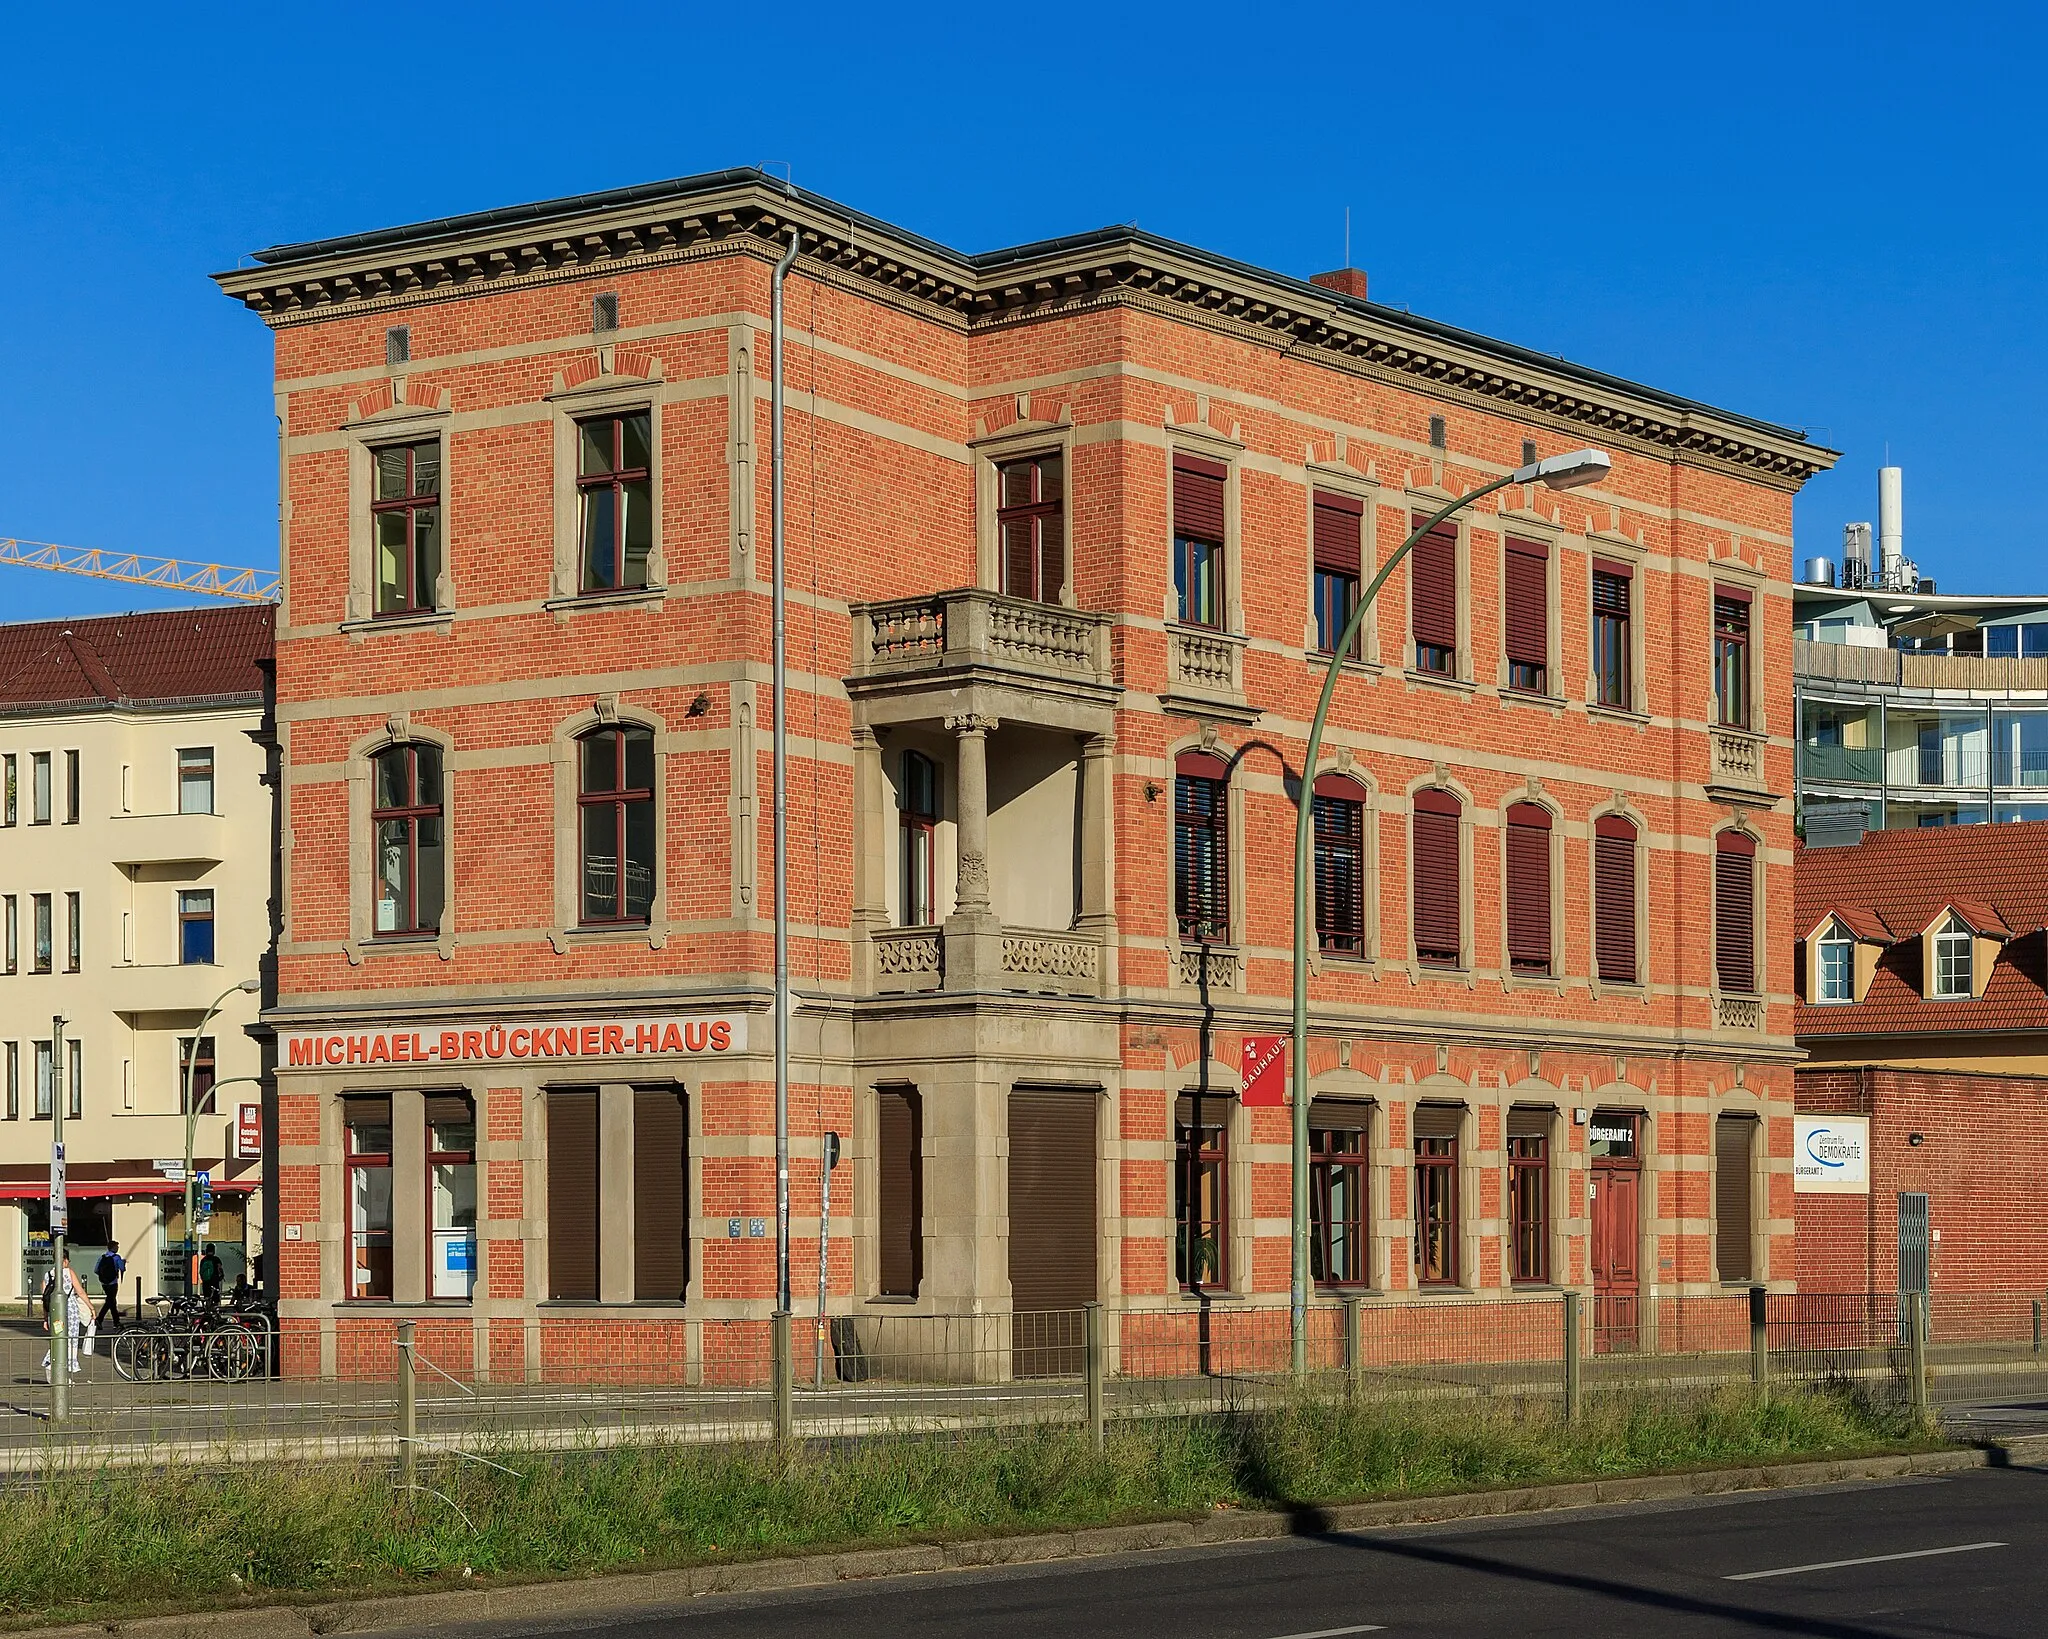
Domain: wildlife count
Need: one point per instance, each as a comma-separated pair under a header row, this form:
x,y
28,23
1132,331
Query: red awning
x,y
96,1188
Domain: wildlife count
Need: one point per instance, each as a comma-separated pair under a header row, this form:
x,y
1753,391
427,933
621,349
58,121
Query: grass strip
x,y
94,1543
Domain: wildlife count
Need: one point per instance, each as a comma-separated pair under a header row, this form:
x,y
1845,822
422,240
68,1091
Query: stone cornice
x,y
748,214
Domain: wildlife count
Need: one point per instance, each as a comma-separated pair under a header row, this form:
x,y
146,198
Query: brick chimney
x,y
1346,281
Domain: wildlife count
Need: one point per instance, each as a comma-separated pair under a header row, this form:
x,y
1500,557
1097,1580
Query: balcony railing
x,y
1205,666
1738,759
1037,959
1979,673
1859,765
1738,1013
909,959
1208,967
973,628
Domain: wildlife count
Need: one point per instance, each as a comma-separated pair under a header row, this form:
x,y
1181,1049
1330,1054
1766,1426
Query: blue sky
x,y
1830,216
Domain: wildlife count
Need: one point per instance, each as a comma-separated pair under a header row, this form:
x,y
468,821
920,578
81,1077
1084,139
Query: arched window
x,y
411,839
1614,899
1528,895
615,803
1436,879
1735,913
1201,847
1835,965
1952,958
917,804
1339,819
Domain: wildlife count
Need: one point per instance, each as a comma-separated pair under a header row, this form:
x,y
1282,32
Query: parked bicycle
x,y
188,1337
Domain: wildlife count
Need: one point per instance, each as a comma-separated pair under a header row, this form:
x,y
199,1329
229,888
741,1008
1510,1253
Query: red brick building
x,y
1067,527
1923,1006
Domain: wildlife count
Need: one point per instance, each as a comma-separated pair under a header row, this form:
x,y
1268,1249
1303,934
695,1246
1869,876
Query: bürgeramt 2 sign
x,y
702,1036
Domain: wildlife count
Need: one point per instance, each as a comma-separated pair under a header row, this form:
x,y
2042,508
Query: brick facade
x,y
908,369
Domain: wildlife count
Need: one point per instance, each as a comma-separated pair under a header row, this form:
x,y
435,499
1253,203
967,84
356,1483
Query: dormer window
x,y
1836,968
1952,959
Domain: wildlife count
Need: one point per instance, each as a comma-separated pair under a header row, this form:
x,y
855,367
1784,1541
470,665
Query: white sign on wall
x,y
1831,1154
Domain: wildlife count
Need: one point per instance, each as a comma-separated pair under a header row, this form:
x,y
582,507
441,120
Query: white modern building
x,y
135,891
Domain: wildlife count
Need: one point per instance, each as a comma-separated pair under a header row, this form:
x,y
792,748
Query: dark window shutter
x,y
661,1195
1731,613
1198,498
1339,533
1339,821
1528,603
1614,899
1439,1120
572,1194
1610,587
1053,1212
1735,913
1528,895
1436,878
1433,587
1733,1135
899,1214
448,1110
1201,847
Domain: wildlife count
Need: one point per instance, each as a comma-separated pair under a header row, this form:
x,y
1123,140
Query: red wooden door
x,y
1616,1227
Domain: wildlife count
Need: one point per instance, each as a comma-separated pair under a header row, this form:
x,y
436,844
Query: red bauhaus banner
x,y
1263,1068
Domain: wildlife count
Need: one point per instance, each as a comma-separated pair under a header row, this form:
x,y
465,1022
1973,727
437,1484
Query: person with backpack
x,y
211,1274
108,1272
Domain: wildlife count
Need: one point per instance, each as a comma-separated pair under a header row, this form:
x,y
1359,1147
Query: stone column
x,y
410,1242
614,1193
871,836
974,936
1097,916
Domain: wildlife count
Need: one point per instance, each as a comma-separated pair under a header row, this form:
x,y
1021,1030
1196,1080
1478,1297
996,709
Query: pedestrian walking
x,y
211,1274
108,1272
77,1319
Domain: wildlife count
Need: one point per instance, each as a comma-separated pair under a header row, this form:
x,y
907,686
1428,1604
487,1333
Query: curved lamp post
x,y
249,986
1572,471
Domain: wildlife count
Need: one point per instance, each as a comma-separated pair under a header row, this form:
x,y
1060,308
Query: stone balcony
x,y
1737,771
971,651
1205,673
1040,960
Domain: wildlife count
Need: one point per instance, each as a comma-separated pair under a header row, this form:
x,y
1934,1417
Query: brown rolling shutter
x,y
1735,913
1528,895
1198,498
1436,878
661,1195
1733,1135
899,1226
448,1110
1339,1115
1529,1121
1340,523
1439,1120
572,1194
1433,587
1052,1199
1614,899
1610,587
1528,603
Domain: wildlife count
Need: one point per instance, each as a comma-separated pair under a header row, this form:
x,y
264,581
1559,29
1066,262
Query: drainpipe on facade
x,y
781,782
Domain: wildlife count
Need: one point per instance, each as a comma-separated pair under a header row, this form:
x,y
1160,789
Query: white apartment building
x,y
135,885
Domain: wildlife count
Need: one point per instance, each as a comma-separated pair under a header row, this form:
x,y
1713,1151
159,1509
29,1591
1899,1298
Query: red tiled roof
x,y
1860,920
1994,876
155,658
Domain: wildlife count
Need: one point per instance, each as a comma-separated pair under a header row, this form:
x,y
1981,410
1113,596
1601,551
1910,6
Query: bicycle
x,y
190,1337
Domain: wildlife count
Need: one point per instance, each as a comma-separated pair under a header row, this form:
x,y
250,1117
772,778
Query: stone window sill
x,y
420,620
636,597
1438,680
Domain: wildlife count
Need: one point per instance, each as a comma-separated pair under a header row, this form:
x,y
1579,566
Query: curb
x,y
642,1590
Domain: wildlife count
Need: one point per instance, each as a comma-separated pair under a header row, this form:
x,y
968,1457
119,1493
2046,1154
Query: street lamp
x,y
248,987
1571,471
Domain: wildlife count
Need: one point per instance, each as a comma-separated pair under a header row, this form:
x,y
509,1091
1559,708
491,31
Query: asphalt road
x,y
1957,1555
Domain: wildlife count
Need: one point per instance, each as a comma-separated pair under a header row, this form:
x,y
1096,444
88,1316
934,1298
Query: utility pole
x,y
60,1225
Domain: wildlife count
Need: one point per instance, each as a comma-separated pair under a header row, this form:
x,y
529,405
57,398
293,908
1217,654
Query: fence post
x,y
1759,1338
785,1377
1916,1347
2037,1325
1571,1356
408,1404
1094,1364
1354,1344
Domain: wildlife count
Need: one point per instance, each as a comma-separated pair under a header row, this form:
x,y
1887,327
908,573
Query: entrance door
x,y
1617,1227
1053,1222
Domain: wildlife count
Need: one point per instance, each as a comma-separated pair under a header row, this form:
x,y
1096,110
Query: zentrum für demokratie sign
x,y
704,1036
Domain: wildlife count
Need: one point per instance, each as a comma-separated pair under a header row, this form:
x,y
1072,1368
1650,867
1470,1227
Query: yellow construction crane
x,y
217,580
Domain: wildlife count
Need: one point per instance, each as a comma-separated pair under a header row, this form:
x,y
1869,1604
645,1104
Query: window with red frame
x,y
1031,524
1436,1198
1614,899
1338,1185
1528,1202
1735,913
1198,531
1438,923
1339,531
405,517
615,803
406,819
1201,1189
1528,885
1433,599
614,489
917,815
1731,657
1201,848
366,1122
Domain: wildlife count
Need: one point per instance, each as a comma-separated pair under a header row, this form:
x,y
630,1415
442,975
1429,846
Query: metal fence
x,y
367,1385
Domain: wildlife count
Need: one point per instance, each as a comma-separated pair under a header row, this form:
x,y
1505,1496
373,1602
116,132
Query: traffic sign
x,y
60,1212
